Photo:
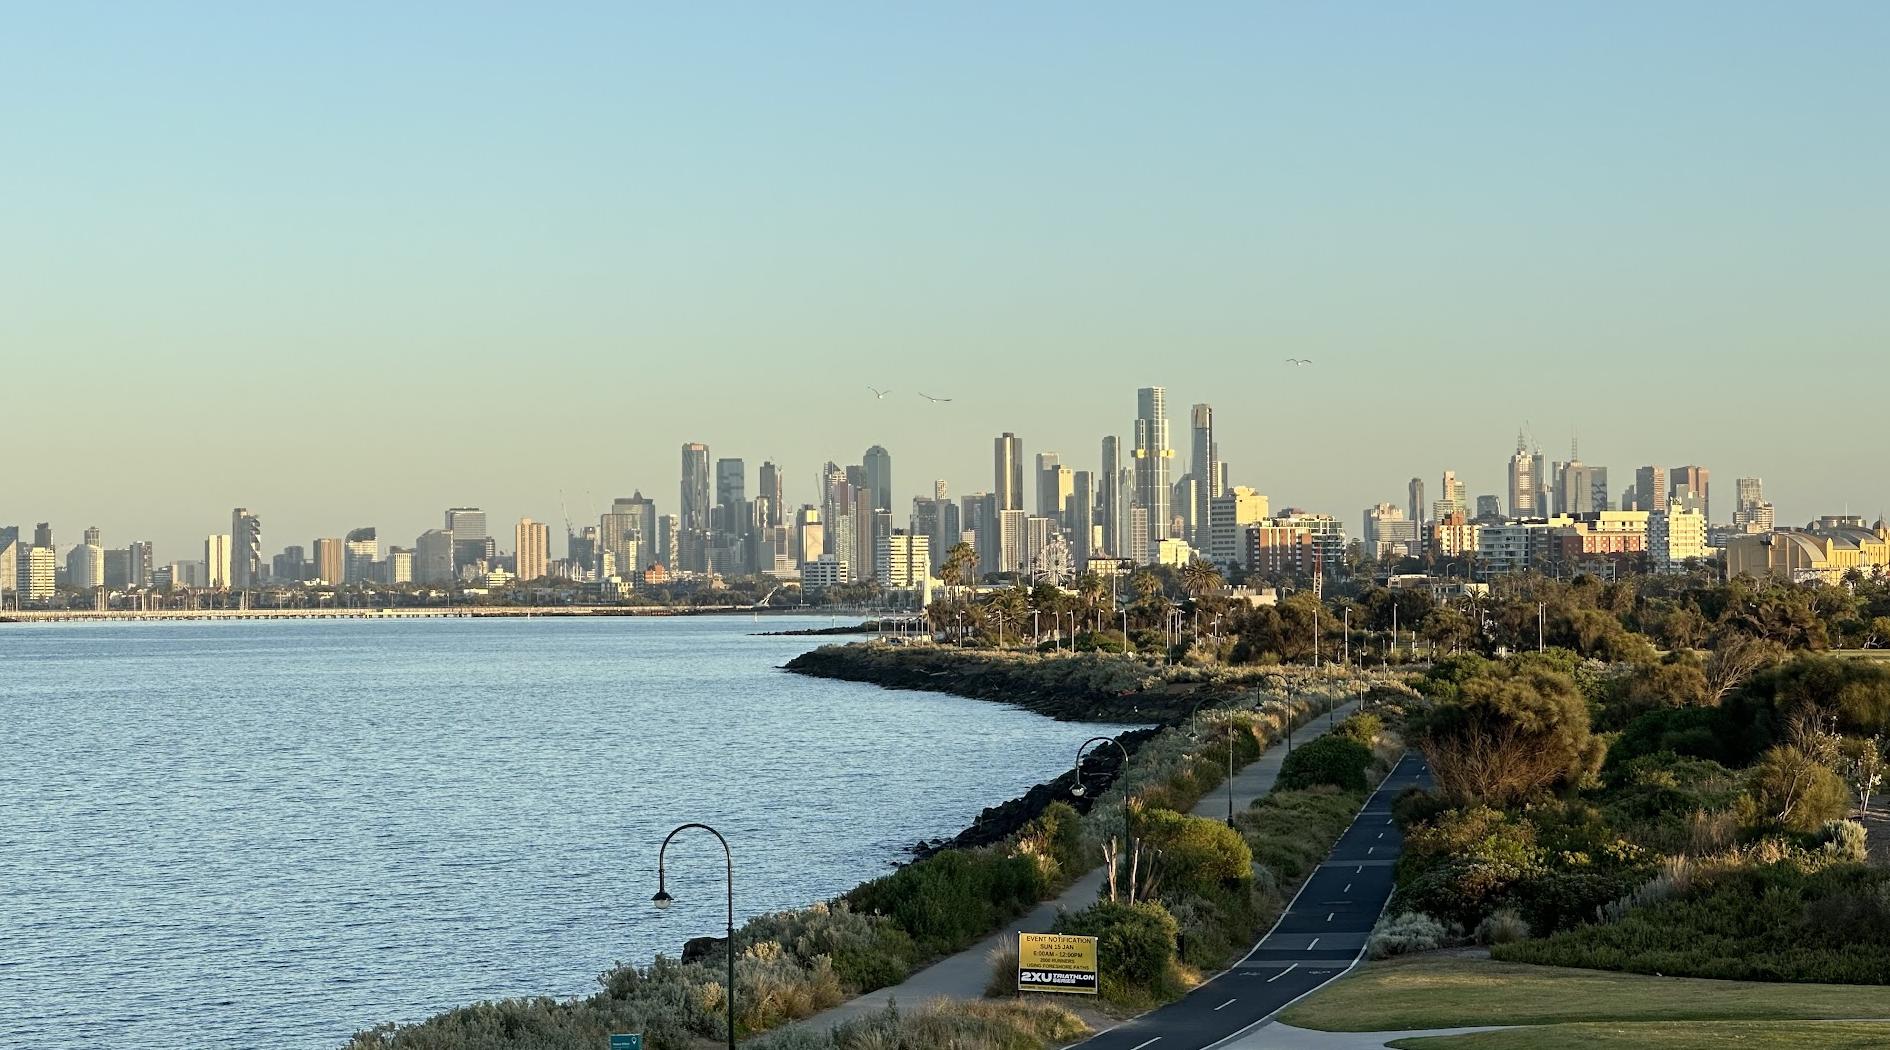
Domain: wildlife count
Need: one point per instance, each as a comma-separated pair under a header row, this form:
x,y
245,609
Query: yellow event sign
x,y
1050,962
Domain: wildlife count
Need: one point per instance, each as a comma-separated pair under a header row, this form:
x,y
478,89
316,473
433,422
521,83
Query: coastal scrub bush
x,y
1138,940
1290,832
953,897
1796,792
1502,926
1194,855
1016,1024
1335,760
1515,730
1363,727
1405,933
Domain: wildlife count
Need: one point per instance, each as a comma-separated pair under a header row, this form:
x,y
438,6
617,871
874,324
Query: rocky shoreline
x,y
1082,688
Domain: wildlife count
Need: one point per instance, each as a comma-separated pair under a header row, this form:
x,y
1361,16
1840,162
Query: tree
x,y
960,566
1200,578
1796,792
1513,731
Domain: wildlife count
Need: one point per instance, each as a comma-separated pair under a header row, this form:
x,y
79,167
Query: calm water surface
x,y
230,835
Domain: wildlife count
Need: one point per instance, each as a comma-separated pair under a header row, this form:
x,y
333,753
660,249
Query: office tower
x,y
692,538
1206,468
92,537
138,564
468,526
532,550
330,560
9,562
291,566
397,569
1694,481
1753,513
37,570
1650,489
1152,456
42,535
977,512
216,561
361,551
433,560
1049,499
1011,529
1489,508
580,550
731,482
642,511
246,558
1581,489
117,570
1230,515
1450,498
1008,468
768,487
903,560
1135,536
810,539
1415,489
1524,484
1082,516
1109,499
876,465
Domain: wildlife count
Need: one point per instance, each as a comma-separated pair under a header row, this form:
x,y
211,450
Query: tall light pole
x,y
1077,789
663,900
1230,769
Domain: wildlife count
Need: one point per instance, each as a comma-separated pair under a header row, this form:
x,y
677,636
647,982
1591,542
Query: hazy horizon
x,y
355,265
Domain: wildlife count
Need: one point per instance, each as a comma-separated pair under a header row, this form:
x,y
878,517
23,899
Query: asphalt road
x,y
1321,936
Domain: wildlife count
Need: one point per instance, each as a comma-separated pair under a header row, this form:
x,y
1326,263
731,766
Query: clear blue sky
x,y
349,264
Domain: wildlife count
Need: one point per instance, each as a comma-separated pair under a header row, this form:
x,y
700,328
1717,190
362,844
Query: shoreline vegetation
x,y
794,964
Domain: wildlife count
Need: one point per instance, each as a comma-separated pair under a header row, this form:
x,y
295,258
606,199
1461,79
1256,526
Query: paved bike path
x,y
966,974
1321,936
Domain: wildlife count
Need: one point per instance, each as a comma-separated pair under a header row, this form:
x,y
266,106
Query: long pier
x,y
388,612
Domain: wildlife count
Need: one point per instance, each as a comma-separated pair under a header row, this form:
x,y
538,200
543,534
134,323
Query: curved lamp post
x,y
1077,790
663,900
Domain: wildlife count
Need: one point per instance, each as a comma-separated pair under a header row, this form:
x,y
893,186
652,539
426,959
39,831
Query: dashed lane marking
x,y
1282,973
1225,1005
1314,944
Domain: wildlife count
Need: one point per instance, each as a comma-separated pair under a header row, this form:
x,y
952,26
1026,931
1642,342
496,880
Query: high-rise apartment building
x,y
877,464
331,561
1581,489
532,550
1152,456
1650,489
1230,514
1109,501
432,556
810,536
468,526
1752,513
217,549
9,561
85,565
903,560
692,541
1008,471
1082,517
139,563
93,537
397,570
1675,537
1205,467
362,550
42,535
246,557
1414,491
37,571
731,482
1055,485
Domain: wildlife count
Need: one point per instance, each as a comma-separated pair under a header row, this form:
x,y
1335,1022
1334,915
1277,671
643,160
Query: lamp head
x,y
662,900
1077,790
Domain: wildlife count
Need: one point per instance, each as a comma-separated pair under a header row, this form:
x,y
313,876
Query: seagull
x,y
934,400
878,393
1299,361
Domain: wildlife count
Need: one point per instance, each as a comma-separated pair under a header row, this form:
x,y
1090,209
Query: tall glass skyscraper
x,y
1152,455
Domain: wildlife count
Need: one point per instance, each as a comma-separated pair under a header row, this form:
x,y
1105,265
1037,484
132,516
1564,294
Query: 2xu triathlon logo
x,y
1049,962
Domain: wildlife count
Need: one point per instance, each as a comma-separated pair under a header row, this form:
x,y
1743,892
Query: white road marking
x,y
1282,973
1225,1005
1347,889
1360,870
1314,944
1151,1042
1330,914
1381,834
1369,850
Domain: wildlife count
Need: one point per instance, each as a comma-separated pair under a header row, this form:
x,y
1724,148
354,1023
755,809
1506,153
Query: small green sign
x,y
632,1041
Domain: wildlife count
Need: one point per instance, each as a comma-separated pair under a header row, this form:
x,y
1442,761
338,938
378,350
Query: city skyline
x,y
407,284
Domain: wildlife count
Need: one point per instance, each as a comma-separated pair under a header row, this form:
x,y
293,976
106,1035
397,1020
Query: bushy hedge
x,y
1339,761
1194,855
1787,921
951,899
1136,946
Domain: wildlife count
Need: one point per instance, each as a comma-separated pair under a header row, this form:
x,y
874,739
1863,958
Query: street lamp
x,y
1077,790
663,900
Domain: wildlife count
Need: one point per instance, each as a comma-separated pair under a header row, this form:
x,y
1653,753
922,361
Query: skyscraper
x,y
1752,513
1650,489
692,541
768,487
1693,481
1581,489
1525,486
1416,492
1008,469
532,551
1151,467
1082,517
216,561
246,559
432,556
468,526
1051,495
877,463
85,566
138,564
331,563
1206,468
1109,498
731,482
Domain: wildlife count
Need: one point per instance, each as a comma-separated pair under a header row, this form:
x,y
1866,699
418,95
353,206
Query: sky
x,y
349,264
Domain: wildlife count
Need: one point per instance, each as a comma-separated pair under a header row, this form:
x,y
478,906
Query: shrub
x,y
1795,792
1195,855
1017,1024
1290,832
1363,728
1414,806
1516,730
1338,761
1503,926
1136,943
953,897
1844,841
1003,962
1406,933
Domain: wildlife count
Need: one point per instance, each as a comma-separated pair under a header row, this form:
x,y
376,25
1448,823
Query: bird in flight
x,y
934,400
878,393
1299,361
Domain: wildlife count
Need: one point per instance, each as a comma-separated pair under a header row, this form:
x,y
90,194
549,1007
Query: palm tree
x,y
1200,578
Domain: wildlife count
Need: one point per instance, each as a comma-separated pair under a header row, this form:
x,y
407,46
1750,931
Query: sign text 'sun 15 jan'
x,y
1049,962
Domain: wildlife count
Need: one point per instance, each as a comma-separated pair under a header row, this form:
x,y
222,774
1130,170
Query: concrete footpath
x,y
966,974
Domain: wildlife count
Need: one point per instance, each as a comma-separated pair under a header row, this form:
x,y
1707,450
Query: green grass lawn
x,y
1671,1035
1437,992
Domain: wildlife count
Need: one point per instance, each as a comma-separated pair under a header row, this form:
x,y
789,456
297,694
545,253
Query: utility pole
x,y
1541,616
